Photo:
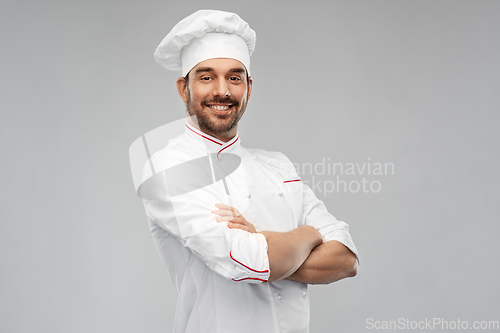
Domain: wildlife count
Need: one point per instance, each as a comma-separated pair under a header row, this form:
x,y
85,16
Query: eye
x,y
205,78
235,78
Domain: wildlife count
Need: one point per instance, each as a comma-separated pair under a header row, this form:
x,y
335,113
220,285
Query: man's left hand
x,y
233,216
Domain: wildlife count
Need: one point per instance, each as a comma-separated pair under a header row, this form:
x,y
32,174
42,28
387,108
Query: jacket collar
x,y
211,143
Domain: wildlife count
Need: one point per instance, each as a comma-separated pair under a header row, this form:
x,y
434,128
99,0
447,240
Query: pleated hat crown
x,y
206,34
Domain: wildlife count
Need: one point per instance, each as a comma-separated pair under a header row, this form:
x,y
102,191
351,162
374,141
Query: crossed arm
x,y
300,254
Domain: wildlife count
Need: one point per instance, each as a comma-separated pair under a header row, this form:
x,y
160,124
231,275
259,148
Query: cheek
x,y
199,96
193,98
241,95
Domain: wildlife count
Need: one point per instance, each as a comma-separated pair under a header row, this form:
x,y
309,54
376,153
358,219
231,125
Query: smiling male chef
x,y
240,234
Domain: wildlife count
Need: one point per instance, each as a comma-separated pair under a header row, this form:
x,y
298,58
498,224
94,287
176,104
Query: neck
x,y
225,137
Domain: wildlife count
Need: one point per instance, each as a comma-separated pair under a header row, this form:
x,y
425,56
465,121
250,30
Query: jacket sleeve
x,y
235,254
315,214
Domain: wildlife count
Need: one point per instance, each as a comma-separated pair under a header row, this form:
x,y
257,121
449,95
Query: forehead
x,y
219,65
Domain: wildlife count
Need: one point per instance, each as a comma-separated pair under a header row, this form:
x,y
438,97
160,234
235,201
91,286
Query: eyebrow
x,y
203,69
237,70
210,69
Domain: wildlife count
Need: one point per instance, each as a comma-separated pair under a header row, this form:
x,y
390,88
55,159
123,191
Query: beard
x,y
212,123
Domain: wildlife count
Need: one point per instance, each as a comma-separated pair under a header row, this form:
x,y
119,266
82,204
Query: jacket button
x,y
304,294
280,193
249,195
279,297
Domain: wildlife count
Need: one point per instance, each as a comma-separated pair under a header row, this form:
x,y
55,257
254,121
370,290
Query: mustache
x,y
227,100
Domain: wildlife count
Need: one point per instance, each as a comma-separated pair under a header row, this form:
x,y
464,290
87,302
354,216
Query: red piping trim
x,y
292,180
229,145
220,144
250,279
247,266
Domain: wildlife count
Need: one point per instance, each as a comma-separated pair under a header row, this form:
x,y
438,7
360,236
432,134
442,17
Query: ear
x,y
249,88
182,88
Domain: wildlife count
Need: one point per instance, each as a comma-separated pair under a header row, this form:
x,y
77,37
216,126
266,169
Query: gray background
x,y
414,83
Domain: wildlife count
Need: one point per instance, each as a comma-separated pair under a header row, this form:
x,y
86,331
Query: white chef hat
x,y
203,35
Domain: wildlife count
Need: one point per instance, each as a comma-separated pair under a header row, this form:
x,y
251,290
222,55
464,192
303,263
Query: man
x,y
239,233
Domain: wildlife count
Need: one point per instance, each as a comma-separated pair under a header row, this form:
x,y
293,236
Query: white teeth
x,y
220,107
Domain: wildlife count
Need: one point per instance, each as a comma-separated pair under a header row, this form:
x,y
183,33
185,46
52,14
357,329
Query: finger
x,y
227,207
238,226
223,206
224,218
230,219
223,212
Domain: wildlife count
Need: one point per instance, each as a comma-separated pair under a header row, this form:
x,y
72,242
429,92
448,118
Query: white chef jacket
x,y
220,274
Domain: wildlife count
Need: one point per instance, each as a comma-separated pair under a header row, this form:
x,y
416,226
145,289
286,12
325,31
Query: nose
x,y
221,88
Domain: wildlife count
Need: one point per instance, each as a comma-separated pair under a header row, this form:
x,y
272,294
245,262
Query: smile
x,y
220,109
